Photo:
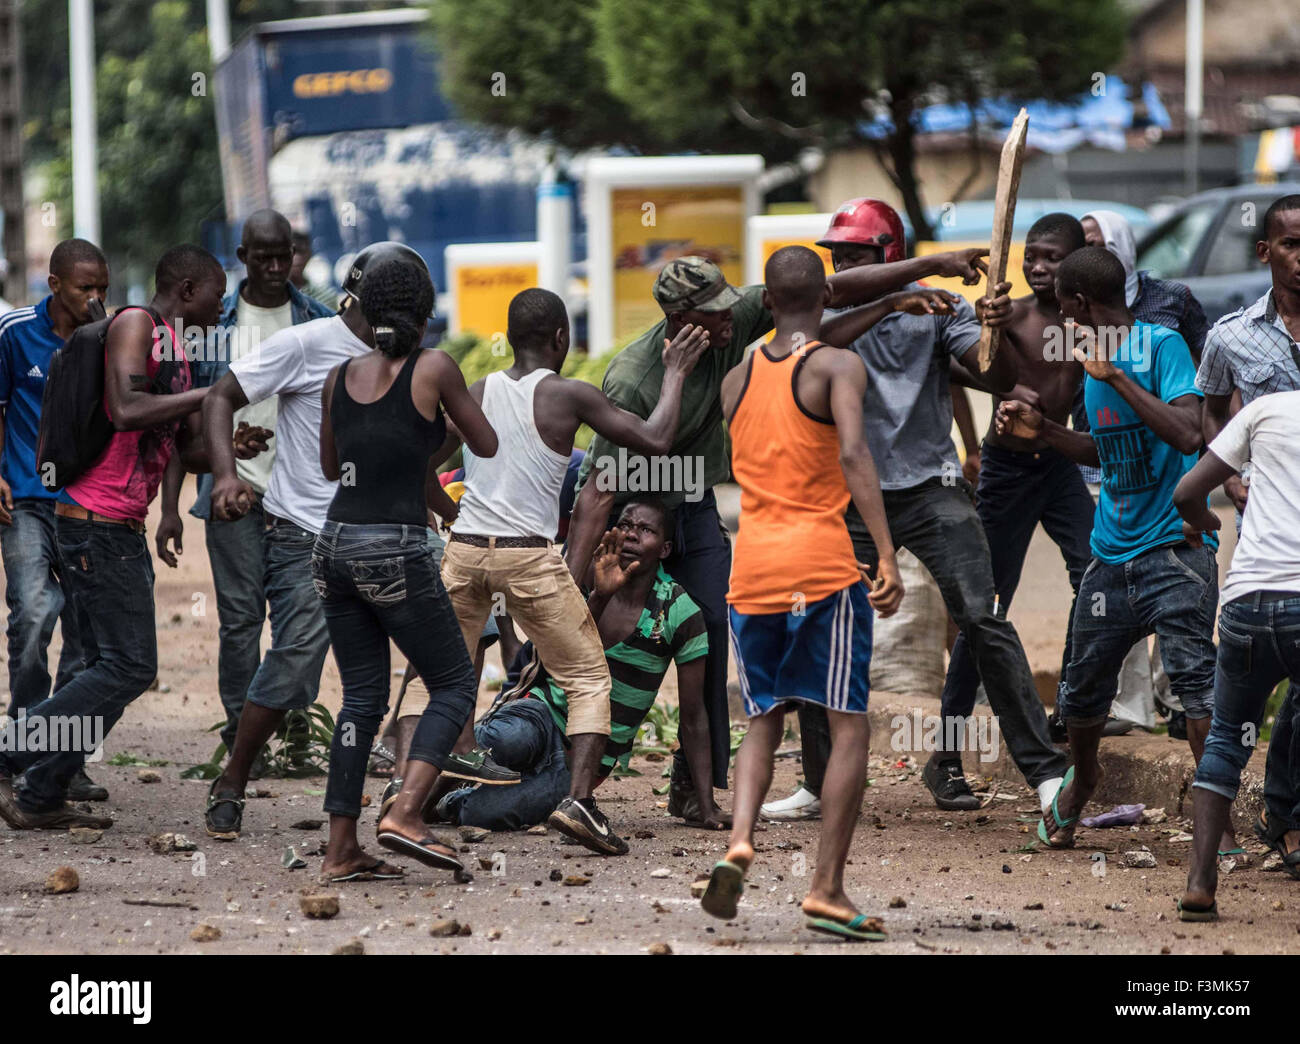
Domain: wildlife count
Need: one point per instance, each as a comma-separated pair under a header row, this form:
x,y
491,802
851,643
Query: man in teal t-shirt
x,y
1148,575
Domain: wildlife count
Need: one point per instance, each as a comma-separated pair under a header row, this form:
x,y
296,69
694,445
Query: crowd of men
x,y
1115,414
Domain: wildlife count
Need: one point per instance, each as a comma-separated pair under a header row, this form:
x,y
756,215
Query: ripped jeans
x,y
378,582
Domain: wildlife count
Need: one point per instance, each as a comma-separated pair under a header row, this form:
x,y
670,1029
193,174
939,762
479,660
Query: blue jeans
x,y
236,551
109,573
375,583
289,675
1016,492
1259,646
522,736
1171,592
36,600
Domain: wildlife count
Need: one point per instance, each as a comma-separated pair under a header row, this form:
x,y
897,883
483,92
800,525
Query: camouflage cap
x,y
694,284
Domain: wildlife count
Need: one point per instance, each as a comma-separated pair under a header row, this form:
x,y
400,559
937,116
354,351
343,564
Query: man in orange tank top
x,y
801,617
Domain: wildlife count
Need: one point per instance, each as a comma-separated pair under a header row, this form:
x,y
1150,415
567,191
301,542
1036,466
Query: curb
x,y
1138,768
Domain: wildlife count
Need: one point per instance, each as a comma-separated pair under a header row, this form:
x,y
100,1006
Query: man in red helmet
x,y
692,290
907,416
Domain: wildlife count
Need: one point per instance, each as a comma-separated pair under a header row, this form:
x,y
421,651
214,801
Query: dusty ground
x,y
966,885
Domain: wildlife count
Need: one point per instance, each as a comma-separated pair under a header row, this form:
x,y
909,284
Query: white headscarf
x,y
1118,234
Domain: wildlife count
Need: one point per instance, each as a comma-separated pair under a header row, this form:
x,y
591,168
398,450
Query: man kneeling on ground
x,y
646,621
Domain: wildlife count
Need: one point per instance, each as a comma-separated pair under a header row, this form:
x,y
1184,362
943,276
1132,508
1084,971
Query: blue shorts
x,y
821,656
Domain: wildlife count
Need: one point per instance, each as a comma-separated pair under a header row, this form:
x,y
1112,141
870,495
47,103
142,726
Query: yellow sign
x,y
483,293
768,247
1015,272
652,226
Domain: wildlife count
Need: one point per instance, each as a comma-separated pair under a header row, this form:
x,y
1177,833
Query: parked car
x,y
1208,242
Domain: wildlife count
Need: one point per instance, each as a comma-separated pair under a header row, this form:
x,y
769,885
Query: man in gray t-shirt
x,y
907,413
907,417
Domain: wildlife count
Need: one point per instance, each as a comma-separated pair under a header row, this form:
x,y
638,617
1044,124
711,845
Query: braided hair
x,y
396,298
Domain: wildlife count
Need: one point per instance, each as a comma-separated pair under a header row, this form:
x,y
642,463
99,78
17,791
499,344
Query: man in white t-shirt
x,y
292,365
1259,638
263,304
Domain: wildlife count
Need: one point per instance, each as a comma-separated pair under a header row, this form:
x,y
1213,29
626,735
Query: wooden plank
x,y
1004,218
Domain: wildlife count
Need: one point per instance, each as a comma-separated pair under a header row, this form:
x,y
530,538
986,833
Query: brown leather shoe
x,y
56,819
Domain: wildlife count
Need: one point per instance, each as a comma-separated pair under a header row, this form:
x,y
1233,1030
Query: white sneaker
x,y
802,804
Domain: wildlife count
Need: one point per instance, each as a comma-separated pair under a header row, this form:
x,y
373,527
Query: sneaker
x,y
82,788
947,783
581,820
802,804
477,766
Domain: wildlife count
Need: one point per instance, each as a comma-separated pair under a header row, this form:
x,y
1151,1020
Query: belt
x,y
77,511
483,541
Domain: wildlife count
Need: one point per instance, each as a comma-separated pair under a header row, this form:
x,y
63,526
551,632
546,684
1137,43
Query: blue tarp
x,y
1097,119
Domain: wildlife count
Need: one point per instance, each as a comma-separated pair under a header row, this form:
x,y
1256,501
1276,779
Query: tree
x,y
531,67
765,75
159,170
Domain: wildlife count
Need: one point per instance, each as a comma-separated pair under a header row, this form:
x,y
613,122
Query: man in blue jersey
x,y
78,283
1148,574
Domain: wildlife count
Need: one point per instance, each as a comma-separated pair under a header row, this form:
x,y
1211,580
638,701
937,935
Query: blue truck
x,y
339,123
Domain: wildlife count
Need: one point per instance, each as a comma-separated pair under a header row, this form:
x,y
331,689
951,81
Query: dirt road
x,y
964,883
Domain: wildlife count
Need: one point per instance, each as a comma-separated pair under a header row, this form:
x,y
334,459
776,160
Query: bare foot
x,y
1070,802
741,853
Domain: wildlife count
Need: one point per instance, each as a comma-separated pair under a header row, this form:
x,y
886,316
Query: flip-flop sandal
x,y
376,871
1198,913
853,929
1061,823
1260,826
382,761
726,883
420,850
1231,852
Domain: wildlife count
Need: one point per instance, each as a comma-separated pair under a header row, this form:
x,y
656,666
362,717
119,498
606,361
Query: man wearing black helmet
x,y
264,303
292,365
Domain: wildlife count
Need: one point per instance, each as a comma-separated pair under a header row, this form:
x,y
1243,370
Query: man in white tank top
x,y
502,551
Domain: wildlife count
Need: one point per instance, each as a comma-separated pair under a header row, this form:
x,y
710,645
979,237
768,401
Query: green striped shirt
x,y
671,629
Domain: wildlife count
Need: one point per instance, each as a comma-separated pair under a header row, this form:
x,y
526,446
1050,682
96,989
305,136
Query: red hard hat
x,y
869,222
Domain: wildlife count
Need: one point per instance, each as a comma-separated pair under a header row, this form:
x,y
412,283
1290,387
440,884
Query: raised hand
x,y
251,440
925,302
609,573
994,309
1018,419
684,351
966,265
1086,351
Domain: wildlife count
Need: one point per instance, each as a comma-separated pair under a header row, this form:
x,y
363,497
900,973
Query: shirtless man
x,y
1023,482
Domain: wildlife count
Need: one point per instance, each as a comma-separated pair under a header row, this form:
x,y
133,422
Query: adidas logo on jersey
x,y
35,371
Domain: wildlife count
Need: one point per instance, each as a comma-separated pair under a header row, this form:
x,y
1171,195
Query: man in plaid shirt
x,y
1253,350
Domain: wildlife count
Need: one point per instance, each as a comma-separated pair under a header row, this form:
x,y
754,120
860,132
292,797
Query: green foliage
x,y
159,171
553,86
300,747
1271,708
762,75
125,758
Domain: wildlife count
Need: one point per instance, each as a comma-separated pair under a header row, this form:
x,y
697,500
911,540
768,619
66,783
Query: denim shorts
x,y
1171,592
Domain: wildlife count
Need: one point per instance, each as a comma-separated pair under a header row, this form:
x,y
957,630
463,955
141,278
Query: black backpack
x,y
74,429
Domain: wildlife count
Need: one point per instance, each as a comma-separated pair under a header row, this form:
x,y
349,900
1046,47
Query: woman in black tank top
x,y
381,423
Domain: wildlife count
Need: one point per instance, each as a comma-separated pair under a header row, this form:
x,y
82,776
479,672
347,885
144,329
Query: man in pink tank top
x,y
101,534
502,550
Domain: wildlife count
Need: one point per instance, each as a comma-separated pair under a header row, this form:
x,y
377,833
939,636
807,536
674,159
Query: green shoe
x,y
477,766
